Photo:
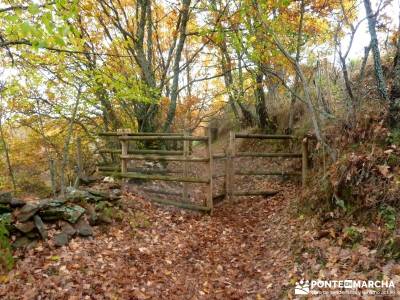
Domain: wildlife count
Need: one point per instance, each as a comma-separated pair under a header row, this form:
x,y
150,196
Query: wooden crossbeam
x,y
272,173
256,193
255,154
163,138
164,158
139,134
158,152
186,205
159,177
264,136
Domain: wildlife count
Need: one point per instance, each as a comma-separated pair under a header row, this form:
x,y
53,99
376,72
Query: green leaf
x,y
33,8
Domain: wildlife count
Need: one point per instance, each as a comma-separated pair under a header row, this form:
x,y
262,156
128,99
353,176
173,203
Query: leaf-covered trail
x,y
241,252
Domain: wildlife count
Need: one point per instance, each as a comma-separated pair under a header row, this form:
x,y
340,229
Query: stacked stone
x,y
74,215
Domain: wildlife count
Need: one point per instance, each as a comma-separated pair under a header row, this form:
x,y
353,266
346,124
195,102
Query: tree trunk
x,y
260,102
296,81
179,48
394,111
380,79
67,142
7,155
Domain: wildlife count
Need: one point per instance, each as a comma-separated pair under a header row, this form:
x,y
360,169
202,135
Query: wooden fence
x,y
229,175
233,155
184,156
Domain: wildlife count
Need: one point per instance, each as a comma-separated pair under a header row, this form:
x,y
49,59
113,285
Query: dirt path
x,y
242,251
160,253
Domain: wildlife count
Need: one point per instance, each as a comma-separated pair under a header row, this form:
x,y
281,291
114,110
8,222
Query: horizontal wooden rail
x,y
256,193
160,177
163,138
159,152
186,205
255,154
219,156
109,168
218,175
264,136
161,192
139,134
273,173
164,158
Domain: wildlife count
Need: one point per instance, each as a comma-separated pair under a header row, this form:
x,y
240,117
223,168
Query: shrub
x,y
6,258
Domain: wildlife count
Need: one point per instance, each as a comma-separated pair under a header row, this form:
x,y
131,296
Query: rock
x,y
67,228
80,195
4,208
25,227
17,203
27,211
90,213
5,197
63,238
104,219
108,179
86,180
40,227
21,242
83,228
69,212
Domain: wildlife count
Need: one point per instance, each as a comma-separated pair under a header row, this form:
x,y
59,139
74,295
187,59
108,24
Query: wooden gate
x,y
124,154
184,155
233,155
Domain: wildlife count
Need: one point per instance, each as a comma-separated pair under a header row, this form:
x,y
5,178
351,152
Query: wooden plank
x,y
231,168
164,138
219,156
185,168
160,177
255,154
181,204
264,136
210,171
271,173
163,158
215,176
139,170
161,192
158,152
256,193
124,151
105,134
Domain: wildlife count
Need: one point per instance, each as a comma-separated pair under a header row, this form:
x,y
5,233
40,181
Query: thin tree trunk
x,y
394,113
7,155
179,48
260,102
380,79
67,142
367,50
296,81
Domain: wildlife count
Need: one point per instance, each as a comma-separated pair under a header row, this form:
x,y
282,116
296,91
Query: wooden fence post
x,y
230,159
304,161
185,167
210,172
124,152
